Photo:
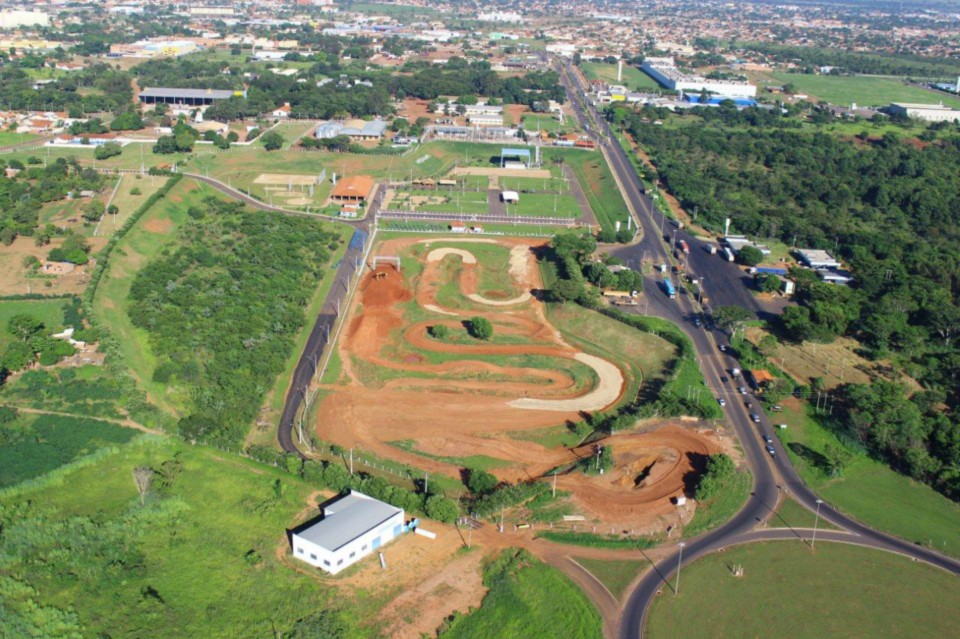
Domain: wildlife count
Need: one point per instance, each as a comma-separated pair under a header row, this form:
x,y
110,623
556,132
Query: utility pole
x,y
426,483
554,483
351,461
676,590
813,542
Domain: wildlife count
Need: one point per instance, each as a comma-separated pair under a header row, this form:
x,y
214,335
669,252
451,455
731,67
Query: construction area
x,y
413,385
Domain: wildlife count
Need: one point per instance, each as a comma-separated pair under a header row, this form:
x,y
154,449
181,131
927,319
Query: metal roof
x,y
346,519
215,94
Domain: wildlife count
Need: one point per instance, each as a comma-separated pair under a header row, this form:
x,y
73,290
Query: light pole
x,y
813,542
676,590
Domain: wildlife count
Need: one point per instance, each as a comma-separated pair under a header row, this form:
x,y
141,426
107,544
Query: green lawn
x,y
869,490
534,184
129,158
597,183
615,575
200,559
864,90
442,201
633,77
787,590
8,138
790,514
527,599
32,445
533,122
543,205
50,312
143,243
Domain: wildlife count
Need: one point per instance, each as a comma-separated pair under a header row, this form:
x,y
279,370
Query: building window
x,y
326,563
353,554
300,551
340,562
313,556
364,547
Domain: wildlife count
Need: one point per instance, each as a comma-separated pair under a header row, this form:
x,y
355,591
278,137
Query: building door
x,y
376,543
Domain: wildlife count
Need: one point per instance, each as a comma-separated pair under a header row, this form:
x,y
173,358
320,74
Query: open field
x,y
864,90
789,591
869,490
633,78
36,444
50,312
439,403
128,202
9,138
142,244
527,599
228,537
790,514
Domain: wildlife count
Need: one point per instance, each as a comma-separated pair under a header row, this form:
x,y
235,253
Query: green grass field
x,y
443,201
869,490
32,445
790,514
787,590
864,90
85,390
633,78
142,244
527,599
534,184
200,559
597,182
50,312
9,138
615,575
722,507
544,205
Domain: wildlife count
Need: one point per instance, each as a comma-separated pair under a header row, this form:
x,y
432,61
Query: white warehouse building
x,y
352,527
665,71
926,112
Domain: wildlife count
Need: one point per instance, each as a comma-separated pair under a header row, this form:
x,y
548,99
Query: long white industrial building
x,y
665,71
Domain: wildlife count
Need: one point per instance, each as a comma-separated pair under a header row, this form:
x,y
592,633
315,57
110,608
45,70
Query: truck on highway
x,y
670,288
768,270
728,254
684,246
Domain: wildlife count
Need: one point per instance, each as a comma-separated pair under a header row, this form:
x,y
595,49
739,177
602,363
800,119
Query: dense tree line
x,y
222,310
888,206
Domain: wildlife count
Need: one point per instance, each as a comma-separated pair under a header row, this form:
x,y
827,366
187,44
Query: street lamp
x,y
676,590
816,520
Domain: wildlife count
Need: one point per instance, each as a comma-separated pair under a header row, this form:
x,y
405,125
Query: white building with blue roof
x,y
352,527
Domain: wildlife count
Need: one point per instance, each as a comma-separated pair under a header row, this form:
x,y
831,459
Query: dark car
x,y
755,418
723,348
724,379
772,452
768,439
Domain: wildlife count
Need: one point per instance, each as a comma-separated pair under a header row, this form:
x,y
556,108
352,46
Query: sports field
x,y
787,590
842,90
633,78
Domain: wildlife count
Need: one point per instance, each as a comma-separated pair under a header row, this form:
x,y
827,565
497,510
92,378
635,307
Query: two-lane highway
x,y
723,285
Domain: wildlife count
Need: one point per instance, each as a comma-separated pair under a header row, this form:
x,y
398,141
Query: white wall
x,y
334,562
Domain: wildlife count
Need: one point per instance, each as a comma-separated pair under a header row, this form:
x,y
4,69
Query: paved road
x,y
723,285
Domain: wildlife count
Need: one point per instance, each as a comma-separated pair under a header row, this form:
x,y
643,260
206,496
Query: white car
x,y
722,401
